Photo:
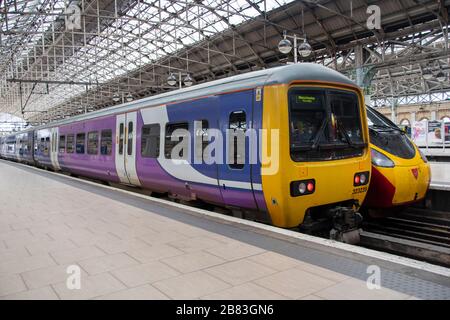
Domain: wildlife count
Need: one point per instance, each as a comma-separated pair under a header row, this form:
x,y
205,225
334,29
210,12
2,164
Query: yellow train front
x,y
400,172
323,171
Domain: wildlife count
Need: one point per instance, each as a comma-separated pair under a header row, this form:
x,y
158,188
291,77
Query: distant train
x,y
306,164
400,172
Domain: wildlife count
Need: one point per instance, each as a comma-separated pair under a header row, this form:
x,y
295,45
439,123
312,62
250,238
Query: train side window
x,y
92,147
24,145
70,141
130,138
106,142
201,136
121,138
80,143
150,139
46,145
28,145
62,144
237,125
42,145
169,144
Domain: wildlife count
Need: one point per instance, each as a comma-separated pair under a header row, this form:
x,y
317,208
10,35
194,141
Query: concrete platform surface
x,y
440,175
128,247
437,152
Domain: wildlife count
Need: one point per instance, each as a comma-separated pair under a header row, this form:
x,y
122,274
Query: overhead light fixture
x,y
285,46
129,97
188,81
116,97
305,49
440,76
427,74
171,80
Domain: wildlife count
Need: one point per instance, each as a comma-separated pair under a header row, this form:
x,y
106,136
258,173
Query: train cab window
x,y
62,144
80,143
130,138
172,139
121,134
201,139
150,140
92,147
106,142
308,111
70,143
344,108
237,125
324,124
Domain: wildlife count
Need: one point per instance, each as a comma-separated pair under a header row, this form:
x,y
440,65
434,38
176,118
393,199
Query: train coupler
x,y
346,225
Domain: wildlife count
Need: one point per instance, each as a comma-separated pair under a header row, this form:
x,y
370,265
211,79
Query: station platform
x,y
440,176
131,246
437,152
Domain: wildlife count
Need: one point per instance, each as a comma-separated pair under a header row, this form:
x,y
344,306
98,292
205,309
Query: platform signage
x,y
447,131
419,132
435,133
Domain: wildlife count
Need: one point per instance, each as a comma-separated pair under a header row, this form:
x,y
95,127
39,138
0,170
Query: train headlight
x,y
302,187
423,156
361,179
380,160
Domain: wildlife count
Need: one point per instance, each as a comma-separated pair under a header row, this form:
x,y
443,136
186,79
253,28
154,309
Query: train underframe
x,y
339,221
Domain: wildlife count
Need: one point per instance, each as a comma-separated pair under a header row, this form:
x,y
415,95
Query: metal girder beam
x,y
49,81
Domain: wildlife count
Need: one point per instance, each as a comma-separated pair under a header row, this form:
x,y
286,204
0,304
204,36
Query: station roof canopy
x,y
61,58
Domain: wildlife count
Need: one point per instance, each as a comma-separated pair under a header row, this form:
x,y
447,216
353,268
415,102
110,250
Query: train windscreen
x,y
387,136
325,124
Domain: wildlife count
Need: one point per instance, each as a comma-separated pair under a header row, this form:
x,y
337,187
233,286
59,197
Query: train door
x,y
236,112
18,153
126,148
54,148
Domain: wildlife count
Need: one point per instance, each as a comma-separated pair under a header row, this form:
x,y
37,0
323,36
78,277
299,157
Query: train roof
x,y
278,75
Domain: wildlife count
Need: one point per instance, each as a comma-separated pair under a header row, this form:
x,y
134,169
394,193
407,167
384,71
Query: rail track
x,y
417,233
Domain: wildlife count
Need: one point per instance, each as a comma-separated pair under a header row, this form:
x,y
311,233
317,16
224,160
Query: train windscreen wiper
x,y
383,127
315,144
342,129
347,137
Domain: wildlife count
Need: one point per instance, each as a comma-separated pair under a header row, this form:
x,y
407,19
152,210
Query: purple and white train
x,y
323,144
